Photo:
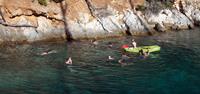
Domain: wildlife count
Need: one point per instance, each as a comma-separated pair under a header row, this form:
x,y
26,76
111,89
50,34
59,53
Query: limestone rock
x,y
133,22
29,32
86,19
169,18
196,17
160,28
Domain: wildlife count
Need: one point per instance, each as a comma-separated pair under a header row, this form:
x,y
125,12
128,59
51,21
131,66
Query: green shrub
x,y
168,4
141,8
154,7
43,2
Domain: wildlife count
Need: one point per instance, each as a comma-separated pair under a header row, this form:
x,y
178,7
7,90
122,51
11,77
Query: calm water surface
x,y
173,70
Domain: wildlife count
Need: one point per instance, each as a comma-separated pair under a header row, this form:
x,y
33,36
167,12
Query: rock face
x,y
195,16
28,21
171,19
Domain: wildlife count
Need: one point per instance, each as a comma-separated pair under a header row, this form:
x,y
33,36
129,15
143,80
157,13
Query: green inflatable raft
x,y
152,48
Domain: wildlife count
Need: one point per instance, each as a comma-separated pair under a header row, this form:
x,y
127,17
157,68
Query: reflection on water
x,y
175,69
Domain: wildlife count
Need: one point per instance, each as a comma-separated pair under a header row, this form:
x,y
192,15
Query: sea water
x,y
173,70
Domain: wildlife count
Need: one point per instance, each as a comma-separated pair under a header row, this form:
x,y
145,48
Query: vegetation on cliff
x,y
155,6
45,2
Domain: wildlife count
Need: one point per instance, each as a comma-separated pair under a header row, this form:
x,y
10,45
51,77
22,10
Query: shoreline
x,y
156,34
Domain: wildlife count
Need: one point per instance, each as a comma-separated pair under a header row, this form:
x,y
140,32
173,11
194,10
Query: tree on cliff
x,y
63,8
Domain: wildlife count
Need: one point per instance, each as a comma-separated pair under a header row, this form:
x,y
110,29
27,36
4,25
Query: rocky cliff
x,y
33,20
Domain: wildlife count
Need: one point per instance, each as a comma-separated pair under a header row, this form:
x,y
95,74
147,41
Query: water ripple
x,y
175,69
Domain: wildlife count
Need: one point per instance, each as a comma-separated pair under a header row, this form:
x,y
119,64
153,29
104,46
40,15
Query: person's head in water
x,y
110,44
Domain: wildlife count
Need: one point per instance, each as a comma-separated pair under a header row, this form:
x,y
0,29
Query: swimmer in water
x,y
110,58
48,52
124,57
69,61
134,43
143,53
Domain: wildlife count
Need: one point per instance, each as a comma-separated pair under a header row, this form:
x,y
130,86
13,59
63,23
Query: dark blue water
x,y
173,70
